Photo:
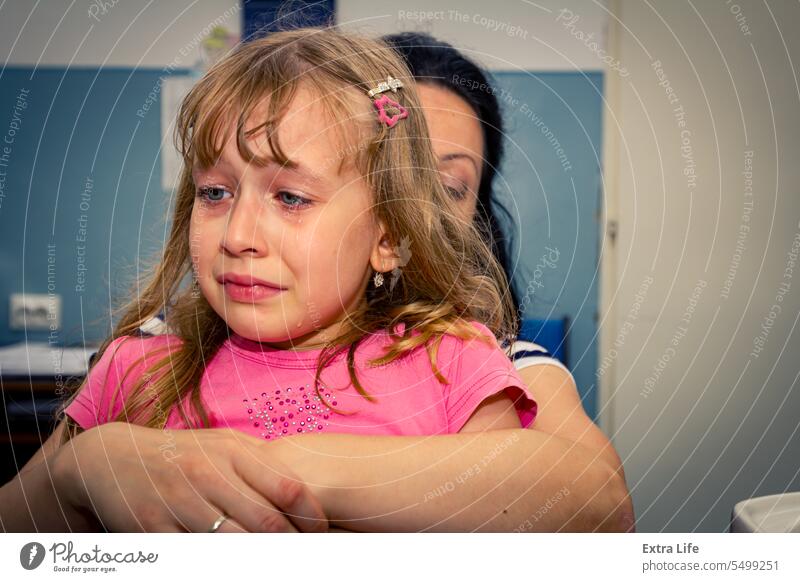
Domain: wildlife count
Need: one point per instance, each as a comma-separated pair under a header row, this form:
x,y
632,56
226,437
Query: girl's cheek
x,y
195,239
202,244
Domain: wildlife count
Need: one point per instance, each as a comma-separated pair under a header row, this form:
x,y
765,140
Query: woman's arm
x,y
30,501
499,480
561,413
561,475
121,473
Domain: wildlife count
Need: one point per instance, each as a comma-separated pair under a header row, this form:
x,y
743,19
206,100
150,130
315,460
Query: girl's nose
x,y
243,233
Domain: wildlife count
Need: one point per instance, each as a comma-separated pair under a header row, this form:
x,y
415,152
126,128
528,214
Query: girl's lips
x,y
249,293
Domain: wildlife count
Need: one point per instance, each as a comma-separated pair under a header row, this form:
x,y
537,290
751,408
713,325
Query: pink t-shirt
x,y
269,393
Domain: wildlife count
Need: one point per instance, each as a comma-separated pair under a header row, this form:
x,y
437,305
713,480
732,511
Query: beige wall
x,y
715,421
112,33
509,35
503,36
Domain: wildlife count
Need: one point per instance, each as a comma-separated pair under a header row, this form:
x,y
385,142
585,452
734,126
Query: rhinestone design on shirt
x,y
289,411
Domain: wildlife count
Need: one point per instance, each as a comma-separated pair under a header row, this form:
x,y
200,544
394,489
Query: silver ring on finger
x,y
217,524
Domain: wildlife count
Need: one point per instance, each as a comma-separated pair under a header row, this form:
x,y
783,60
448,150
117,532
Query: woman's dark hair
x,y
438,63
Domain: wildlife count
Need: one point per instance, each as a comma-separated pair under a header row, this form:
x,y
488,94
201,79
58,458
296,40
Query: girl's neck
x,y
311,342
292,345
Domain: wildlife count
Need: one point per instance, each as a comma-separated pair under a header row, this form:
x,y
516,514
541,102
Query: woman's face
x,y
457,141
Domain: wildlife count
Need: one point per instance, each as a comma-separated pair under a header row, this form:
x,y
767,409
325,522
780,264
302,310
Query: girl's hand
x,y
142,479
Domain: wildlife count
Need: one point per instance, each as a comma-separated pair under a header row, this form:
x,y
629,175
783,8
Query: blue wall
x,y
555,196
78,125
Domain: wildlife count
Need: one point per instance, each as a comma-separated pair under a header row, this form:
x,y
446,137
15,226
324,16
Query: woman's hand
x,y
142,479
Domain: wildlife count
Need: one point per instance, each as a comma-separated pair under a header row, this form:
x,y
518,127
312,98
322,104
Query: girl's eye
x,y
212,193
292,201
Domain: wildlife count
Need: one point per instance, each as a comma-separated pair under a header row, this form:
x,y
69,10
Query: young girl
x,y
334,288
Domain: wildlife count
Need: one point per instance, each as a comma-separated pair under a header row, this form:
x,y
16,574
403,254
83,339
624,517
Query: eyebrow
x,y
304,172
457,156
297,168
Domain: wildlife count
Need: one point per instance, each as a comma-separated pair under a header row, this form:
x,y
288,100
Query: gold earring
x,y
377,280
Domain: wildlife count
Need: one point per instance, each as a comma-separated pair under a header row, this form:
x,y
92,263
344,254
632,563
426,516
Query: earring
x,y
377,280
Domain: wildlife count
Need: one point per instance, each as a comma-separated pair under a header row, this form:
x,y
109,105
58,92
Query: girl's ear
x,y
384,257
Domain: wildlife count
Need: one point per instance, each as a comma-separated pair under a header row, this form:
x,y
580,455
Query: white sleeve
x,y
525,354
154,326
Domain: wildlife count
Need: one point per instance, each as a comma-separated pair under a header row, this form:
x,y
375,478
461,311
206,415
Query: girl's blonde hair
x,y
449,276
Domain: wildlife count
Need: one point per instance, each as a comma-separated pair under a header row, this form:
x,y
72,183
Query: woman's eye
x,y
212,193
291,200
457,193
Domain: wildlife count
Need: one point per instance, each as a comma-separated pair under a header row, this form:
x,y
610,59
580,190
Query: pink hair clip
x,y
383,102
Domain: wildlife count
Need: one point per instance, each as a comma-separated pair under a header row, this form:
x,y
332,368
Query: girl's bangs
x,y
230,98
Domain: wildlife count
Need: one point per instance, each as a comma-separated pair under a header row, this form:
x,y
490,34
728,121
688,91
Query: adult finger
x,y
285,491
228,525
249,509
